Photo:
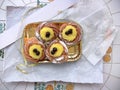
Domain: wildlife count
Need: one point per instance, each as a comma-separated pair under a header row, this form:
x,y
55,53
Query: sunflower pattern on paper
x,y
2,28
107,56
53,86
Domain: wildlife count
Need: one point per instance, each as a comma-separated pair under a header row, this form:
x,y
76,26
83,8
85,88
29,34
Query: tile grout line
x,y
12,2
29,3
2,20
30,0
109,1
107,87
112,75
116,44
1,3
108,7
4,84
2,9
23,2
111,63
118,25
107,77
16,86
109,72
117,12
26,86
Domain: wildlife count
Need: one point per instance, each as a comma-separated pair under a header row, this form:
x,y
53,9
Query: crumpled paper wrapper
x,y
96,23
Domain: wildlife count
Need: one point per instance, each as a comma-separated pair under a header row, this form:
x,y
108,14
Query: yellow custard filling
x,y
46,33
35,51
56,50
69,33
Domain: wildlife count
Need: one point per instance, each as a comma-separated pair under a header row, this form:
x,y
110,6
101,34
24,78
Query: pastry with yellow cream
x,y
70,33
34,50
57,52
47,32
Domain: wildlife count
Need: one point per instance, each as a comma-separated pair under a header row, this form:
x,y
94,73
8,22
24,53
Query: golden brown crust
x,y
49,87
79,33
50,25
27,44
64,54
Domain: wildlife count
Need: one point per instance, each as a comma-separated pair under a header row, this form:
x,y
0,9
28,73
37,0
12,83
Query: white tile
x,y
2,87
1,1
116,54
1,65
21,85
115,70
1,76
33,0
2,15
114,6
104,88
45,0
11,86
96,86
116,18
113,83
26,1
107,1
30,86
32,4
117,38
83,87
0,82
106,68
105,77
8,86
6,3
18,2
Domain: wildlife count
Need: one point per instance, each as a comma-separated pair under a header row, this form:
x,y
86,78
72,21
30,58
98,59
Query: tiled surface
x,y
105,78
1,64
116,54
115,71
111,69
22,85
117,38
107,68
11,86
116,18
83,87
114,6
18,2
2,14
105,88
30,86
26,1
6,3
113,83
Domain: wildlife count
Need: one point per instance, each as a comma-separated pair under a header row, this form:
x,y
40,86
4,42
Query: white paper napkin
x,y
95,22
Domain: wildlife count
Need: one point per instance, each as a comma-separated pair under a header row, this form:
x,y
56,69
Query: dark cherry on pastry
x,y
57,52
47,31
70,33
34,50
